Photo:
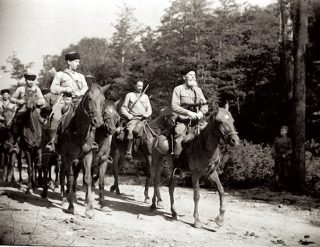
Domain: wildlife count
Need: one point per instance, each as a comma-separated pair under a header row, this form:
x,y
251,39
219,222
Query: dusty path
x,y
253,218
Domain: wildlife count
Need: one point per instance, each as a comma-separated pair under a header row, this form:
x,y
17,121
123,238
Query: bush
x,y
312,174
247,165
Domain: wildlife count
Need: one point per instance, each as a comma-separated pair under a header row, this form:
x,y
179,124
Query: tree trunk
x,y
299,94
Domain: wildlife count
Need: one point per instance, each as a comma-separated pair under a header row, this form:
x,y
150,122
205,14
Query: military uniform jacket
x,y
142,106
69,79
282,145
182,96
32,95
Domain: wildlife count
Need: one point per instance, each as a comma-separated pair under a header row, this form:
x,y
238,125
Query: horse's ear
x,y
117,103
215,107
226,107
105,88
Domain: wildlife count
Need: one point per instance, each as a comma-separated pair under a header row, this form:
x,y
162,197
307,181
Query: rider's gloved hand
x,y
199,115
192,115
21,101
130,116
78,94
145,115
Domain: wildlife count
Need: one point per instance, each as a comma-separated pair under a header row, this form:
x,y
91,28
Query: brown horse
x,y
202,157
118,150
75,140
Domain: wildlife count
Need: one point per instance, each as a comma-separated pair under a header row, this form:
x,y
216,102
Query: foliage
x,y
18,69
247,165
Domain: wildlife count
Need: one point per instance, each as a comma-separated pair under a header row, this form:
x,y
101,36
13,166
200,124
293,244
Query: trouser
x,y
179,134
130,127
55,121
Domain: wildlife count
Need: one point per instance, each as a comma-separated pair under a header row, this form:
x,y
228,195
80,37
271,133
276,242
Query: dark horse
x,y
202,157
30,144
103,138
6,143
75,140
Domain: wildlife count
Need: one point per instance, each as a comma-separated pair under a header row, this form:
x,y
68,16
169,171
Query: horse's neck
x,y
209,139
80,121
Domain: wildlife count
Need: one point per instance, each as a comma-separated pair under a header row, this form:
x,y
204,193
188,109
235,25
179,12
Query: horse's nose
x,y
234,140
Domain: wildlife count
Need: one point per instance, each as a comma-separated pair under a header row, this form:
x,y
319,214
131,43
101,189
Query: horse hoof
x,y
44,195
29,191
160,204
118,192
89,213
112,188
153,208
147,200
174,217
64,202
219,220
71,210
197,224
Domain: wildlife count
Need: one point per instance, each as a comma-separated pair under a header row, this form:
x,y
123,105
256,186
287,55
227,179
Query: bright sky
x,y
33,28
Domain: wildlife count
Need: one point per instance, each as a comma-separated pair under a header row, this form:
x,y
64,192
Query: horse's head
x,y
94,103
226,126
110,116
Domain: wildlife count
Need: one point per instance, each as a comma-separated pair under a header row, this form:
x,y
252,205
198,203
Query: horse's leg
x,y
155,174
57,171
62,182
19,161
70,183
196,197
38,165
220,218
5,168
76,168
116,161
149,177
30,171
172,184
87,162
102,171
46,169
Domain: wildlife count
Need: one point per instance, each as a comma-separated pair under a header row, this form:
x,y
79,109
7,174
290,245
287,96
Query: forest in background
x,y
237,50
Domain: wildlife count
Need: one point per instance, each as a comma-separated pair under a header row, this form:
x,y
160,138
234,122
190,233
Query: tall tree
x,y
299,92
124,39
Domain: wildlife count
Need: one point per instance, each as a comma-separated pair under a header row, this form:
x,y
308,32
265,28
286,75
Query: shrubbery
x,y
247,165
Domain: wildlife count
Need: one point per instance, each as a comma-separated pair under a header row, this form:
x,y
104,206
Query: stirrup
x,y
50,147
128,156
95,146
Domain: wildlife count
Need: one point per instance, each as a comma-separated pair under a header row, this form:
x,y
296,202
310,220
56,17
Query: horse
x,y
6,144
118,150
49,158
30,144
75,141
202,156
103,138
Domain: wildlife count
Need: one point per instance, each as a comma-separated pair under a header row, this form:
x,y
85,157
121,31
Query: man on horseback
x,y
65,82
189,105
135,108
26,97
6,106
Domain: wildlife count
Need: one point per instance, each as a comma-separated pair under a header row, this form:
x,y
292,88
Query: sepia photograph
x,y
160,123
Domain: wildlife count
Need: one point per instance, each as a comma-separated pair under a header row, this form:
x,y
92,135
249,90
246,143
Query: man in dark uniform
x,y
282,151
183,97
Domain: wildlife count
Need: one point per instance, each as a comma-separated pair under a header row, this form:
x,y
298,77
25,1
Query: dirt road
x,y
253,218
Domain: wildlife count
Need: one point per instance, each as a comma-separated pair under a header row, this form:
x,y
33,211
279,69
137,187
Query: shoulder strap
x,y
76,81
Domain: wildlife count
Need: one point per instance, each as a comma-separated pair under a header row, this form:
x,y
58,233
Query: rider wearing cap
x,y
6,106
26,97
184,98
67,81
136,106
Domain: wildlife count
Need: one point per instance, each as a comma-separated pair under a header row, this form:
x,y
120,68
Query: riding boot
x,y
52,139
129,150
